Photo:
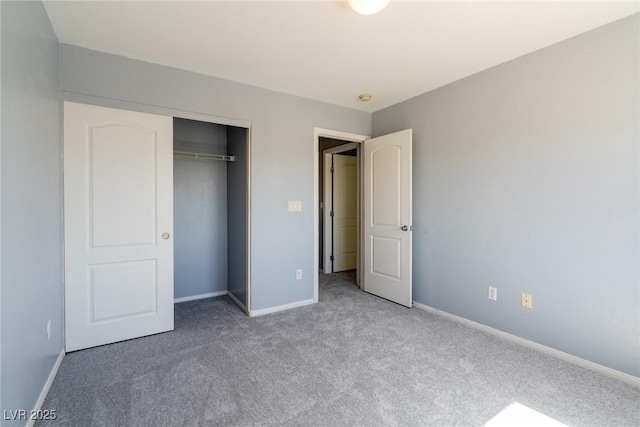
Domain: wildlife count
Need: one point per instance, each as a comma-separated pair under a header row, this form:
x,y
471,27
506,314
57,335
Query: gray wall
x,y
525,177
237,213
281,242
31,215
200,212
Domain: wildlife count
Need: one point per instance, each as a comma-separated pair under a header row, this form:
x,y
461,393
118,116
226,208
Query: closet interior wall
x,y
200,210
237,210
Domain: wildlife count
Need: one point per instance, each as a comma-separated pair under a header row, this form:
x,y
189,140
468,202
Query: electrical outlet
x,y
298,274
526,301
493,293
48,330
294,206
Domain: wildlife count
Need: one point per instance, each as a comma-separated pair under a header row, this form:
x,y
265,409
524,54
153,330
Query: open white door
x,y
118,218
387,217
345,212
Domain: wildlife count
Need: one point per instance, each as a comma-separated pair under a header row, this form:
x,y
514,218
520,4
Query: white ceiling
x,y
322,49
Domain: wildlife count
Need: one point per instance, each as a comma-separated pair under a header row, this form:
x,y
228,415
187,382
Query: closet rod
x,y
185,155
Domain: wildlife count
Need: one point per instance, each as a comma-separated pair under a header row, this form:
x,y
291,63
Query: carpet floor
x,y
351,360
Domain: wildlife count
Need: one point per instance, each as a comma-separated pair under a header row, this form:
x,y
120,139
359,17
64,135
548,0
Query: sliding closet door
x,y
118,197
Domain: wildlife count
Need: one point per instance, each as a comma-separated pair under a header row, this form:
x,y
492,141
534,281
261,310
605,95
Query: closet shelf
x,y
186,155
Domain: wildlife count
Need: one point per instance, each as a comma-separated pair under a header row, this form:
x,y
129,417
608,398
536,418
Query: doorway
x,y
384,261
340,189
210,211
327,144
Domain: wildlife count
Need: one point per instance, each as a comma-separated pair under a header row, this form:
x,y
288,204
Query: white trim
x,y
327,236
47,386
237,301
317,133
341,148
201,296
630,379
360,212
248,224
122,104
263,311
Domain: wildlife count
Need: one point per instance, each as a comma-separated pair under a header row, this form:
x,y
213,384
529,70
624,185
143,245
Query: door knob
x,y
404,228
165,236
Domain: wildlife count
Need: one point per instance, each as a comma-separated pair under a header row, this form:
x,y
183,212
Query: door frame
x,y
190,115
343,136
328,195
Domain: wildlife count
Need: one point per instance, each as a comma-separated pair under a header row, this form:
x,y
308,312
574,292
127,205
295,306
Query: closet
x,y
155,212
210,211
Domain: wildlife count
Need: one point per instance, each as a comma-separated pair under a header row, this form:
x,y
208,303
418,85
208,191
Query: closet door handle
x,y
165,236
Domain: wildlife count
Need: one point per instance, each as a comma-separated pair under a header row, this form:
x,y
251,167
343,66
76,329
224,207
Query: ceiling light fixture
x,y
365,97
368,7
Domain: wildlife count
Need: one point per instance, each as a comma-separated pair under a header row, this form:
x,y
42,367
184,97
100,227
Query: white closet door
x,y
118,207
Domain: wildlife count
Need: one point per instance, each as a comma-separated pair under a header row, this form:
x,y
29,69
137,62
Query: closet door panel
x,y
118,189
122,180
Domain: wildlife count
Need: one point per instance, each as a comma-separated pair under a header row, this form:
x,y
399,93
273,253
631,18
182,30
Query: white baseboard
x,y
633,380
237,301
201,296
263,311
47,386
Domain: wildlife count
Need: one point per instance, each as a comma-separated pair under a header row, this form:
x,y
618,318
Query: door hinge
x,y
331,214
331,257
332,169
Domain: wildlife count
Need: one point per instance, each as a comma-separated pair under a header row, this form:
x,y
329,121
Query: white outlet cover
x,y
295,206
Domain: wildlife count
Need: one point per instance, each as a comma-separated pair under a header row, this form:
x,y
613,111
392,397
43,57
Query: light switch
x,y
295,206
